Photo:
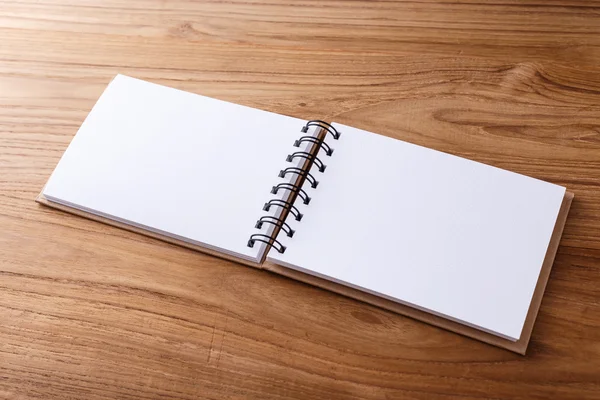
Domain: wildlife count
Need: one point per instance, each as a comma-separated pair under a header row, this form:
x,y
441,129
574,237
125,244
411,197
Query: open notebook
x,y
453,242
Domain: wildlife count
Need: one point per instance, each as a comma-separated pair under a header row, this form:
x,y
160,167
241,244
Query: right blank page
x,y
434,231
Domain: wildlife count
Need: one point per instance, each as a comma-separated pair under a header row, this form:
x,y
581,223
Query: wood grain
x,y
89,311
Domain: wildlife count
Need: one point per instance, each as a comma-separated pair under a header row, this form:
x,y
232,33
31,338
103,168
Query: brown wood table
x,y
88,311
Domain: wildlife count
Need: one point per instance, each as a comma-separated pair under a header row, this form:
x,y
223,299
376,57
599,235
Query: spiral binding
x,y
266,239
314,140
292,188
322,124
268,219
295,189
301,172
308,156
285,205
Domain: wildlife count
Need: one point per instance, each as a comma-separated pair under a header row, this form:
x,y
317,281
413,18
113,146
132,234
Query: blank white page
x,y
176,163
443,234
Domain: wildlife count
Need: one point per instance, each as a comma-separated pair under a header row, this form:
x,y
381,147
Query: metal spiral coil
x,y
295,187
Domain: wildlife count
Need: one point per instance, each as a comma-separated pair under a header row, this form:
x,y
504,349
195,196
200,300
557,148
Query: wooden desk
x,y
88,311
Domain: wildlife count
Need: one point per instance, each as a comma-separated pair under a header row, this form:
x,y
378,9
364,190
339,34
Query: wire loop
x,y
314,140
268,240
268,219
293,189
309,157
322,124
302,172
285,205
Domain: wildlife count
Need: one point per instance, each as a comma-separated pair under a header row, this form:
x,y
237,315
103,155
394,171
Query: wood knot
x,y
185,29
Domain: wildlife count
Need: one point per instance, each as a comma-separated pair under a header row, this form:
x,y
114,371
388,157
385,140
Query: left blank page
x,y
175,163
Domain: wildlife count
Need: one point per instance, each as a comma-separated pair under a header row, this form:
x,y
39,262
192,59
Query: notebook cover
x,y
43,200
519,346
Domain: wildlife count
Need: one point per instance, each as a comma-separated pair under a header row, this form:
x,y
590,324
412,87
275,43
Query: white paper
x,y
177,163
440,233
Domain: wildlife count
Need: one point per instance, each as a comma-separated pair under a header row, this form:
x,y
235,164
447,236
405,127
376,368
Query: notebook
x,y
453,242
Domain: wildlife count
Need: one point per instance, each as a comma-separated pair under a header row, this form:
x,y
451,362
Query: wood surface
x,y
89,311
